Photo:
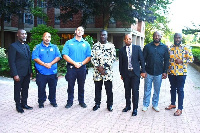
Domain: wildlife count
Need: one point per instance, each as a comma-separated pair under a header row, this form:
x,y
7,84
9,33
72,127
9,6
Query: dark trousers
x,y
177,85
21,90
109,93
71,76
41,81
131,82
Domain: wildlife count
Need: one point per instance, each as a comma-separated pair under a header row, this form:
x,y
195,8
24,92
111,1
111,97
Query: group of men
x,y
153,64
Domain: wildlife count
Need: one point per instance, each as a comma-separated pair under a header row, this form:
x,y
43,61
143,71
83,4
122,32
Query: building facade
x,y
116,31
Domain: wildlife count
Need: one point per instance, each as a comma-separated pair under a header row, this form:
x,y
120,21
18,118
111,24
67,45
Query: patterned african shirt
x,y
179,52
103,55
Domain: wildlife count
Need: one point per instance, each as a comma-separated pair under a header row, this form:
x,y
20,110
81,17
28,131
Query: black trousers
x,y
109,93
131,82
21,90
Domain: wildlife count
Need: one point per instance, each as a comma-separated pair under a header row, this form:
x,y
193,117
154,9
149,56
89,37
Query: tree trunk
x,y
2,31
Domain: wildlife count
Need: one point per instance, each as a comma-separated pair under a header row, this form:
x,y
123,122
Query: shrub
x,y
4,67
196,54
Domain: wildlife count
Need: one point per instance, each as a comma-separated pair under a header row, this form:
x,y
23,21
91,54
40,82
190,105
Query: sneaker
x,y
144,109
41,105
83,105
156,109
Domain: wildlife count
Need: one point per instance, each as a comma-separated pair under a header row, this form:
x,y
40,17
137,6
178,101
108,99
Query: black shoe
x,y
27,107
83,105
96,107
54,104
41,105
19,110
134,112
68,105
126,109
109,107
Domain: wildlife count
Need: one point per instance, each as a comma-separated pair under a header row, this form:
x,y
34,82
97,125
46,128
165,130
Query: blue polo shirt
x,y
77,51
47,55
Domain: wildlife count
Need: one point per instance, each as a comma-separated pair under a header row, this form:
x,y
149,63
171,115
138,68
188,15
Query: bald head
x,y
177,39
46,38
128,39
21,35
157,37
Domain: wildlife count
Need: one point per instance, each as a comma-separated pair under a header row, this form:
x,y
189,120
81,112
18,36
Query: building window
x,y
90,20
40,21
28,18
42,3
57,21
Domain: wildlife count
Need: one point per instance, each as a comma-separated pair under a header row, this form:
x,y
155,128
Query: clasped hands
x,y
47,65
101,70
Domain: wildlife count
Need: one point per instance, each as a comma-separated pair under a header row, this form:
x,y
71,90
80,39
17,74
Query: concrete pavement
x,y
85,120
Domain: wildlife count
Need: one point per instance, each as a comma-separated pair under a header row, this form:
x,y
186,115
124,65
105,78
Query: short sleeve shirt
x,y
77,51
47,55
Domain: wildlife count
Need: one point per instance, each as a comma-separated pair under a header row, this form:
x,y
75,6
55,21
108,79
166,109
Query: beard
x,y
157,41
177,43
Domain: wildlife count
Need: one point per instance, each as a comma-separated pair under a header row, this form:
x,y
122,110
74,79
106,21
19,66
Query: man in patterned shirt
x,y
180,56
102,57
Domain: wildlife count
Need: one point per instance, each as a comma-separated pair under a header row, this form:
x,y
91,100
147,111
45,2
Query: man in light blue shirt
x,y
77,53
46,55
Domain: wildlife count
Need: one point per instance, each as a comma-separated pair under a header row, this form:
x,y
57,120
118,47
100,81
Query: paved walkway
x,y
77,119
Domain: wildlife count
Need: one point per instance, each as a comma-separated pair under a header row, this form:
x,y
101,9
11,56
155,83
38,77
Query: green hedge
x,y
196,52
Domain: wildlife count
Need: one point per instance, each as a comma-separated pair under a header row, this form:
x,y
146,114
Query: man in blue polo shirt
x,y
46,56
77,53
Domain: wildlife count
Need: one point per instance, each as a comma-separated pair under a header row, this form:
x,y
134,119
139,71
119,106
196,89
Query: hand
x,y
16,78
48,65
121,77
178,61
164,76
77,65
101,70
143,75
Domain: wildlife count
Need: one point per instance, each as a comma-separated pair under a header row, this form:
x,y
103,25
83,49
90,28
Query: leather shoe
x,y
83,105
19,110
68,105
27,107
110,108
126,109
41,105
54,104
134,112
96,107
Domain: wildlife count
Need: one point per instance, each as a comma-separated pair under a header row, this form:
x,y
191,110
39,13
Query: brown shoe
x,y
170,107
178,112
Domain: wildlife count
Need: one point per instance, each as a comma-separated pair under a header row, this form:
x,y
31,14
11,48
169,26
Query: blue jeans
x,y
177,84
157,80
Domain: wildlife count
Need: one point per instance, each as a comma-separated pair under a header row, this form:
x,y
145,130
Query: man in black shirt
x,y
156,58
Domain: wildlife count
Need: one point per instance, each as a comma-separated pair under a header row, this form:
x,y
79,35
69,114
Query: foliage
x,y
196,52
62,69
160,24
89,39
120,10
38,12
37,33
4,67
13,7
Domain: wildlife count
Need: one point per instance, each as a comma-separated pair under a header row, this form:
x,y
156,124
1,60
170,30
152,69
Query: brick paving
x,y
85,120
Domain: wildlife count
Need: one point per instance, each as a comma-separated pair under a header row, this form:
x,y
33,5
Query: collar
x,y
42,43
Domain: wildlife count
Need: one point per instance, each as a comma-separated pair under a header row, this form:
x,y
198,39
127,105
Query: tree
x,y
160,24
125,11
13,7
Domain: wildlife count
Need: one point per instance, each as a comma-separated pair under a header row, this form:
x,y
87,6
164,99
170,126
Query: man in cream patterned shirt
x,y
102,57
